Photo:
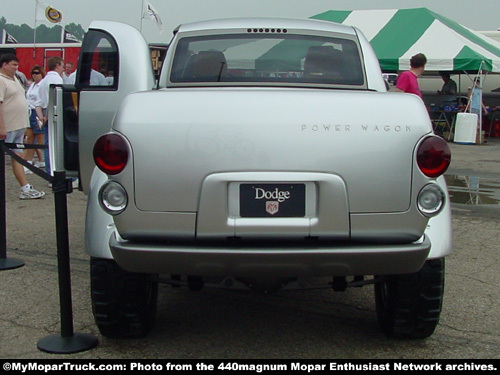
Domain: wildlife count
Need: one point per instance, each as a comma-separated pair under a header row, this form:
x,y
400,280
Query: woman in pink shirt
x,y
407,81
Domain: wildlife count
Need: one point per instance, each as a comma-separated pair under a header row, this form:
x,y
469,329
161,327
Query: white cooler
x,y
465,128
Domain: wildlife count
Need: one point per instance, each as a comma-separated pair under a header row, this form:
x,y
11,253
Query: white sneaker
x,y
31,193
27,171
40,164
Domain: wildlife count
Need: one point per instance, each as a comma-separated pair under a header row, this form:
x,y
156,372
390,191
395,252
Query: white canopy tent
x,y
398,34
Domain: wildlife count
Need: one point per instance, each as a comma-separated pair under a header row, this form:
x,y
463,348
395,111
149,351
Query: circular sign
x,y
53,15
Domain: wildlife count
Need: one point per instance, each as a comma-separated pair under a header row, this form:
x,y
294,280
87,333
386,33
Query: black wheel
x,y
123,303
409,305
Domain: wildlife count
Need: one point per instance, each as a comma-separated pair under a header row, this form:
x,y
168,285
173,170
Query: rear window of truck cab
x,y
267,59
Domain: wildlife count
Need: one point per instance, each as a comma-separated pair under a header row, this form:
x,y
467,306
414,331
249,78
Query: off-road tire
x,y
123,303
409,305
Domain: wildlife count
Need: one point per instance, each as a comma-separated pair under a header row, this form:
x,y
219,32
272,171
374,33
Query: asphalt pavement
x,y
228,324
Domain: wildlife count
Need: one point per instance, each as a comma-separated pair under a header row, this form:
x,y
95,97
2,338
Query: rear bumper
x,y
275,259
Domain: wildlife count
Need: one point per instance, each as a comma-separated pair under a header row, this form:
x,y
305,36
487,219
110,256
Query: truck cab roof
x,y
260,24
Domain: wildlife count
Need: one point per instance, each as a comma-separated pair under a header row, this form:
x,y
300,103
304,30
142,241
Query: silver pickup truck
x,y
268,151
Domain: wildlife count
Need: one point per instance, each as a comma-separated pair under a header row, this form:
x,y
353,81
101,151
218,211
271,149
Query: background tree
x,y
24,33
76,29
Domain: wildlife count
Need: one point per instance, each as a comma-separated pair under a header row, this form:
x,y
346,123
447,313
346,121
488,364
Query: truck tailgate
x,y
365,138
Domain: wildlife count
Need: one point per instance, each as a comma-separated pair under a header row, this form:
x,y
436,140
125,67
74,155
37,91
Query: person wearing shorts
x,y
14,118
35,130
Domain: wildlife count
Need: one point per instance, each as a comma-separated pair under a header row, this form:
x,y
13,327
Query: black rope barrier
x,y
20,160
67,341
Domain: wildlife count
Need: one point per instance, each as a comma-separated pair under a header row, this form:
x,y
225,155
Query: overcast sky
x,y
478,15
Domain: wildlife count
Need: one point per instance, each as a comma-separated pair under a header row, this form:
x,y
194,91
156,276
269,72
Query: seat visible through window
x,y
322,62
209,66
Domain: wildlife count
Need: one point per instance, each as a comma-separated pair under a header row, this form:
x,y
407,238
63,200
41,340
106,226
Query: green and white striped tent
x,y
398,34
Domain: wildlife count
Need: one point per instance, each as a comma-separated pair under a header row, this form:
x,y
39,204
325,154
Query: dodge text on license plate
x,y
272,200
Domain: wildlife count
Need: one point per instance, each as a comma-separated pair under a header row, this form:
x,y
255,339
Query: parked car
x,y
391,78
268,151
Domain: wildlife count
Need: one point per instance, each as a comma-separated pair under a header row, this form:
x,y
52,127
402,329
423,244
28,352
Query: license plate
x,y
272,200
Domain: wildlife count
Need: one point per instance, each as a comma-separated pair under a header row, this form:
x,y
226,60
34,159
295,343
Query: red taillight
x,y
111,153
433,156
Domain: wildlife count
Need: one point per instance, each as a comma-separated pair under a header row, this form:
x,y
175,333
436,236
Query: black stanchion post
x,y
5,263
67,341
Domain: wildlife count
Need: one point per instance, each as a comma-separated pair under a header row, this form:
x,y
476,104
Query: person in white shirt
x,y
68,69
96,78
35,130
56,67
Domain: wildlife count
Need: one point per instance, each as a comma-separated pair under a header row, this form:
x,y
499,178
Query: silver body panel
x,y
97,108
191,148
288,135
205,132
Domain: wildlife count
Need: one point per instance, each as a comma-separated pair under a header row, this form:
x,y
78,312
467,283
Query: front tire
x,y
409,305
123,303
